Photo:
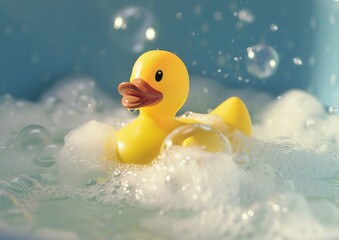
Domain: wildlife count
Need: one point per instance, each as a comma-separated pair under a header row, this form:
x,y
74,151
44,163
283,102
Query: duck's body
x,y
140,141
159,87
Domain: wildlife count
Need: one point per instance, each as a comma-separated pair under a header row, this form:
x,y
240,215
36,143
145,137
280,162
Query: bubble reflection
x,y
262,61
33,137
133,27
198,135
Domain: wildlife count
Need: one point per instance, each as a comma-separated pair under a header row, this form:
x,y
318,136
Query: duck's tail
x,y
234,113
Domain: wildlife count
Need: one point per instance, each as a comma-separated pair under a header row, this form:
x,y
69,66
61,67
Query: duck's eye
x,y
158,75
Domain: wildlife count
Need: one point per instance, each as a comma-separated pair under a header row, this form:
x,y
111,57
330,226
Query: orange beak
x,y
138,93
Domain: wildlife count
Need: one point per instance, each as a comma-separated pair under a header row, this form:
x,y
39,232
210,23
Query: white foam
x,y
80,161
283,185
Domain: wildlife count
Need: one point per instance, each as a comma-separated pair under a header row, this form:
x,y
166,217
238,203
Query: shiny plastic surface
x,y
140,141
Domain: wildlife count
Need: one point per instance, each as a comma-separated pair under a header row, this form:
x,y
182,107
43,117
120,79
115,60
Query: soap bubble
x,y
245,15
33,138
198,135
297,61
133,27
47,156
262,61
332,109
85,103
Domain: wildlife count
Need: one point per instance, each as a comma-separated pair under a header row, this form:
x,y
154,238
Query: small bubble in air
x,y
237,59
274,27
178,15
197,9
85,103
332,109
297,61
217,16
261,61
245,15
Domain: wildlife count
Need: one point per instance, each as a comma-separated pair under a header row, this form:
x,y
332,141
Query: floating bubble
x,y
85,104
198,135
245,15
262,61
297,61
217,16
274,27
133,27
178,15
332,109
33,137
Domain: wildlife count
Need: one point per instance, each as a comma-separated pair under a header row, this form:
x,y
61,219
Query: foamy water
x,y
284,185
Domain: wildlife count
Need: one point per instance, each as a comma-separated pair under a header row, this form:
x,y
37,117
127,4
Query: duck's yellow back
x,y
234,113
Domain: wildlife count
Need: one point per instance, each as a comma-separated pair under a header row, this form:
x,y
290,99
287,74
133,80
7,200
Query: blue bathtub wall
x,y
43,41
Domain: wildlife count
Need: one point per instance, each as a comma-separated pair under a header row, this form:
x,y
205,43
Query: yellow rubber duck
x,y
158,88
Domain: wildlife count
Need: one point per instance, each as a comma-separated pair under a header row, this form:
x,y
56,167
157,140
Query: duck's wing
x,y
202,130
234,113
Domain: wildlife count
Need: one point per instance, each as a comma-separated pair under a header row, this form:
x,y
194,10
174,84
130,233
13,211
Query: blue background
x,y
43,41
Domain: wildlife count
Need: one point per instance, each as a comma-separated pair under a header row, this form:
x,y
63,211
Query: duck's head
x,y
159,84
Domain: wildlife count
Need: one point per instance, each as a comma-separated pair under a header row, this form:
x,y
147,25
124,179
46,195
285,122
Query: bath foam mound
x,y
285,185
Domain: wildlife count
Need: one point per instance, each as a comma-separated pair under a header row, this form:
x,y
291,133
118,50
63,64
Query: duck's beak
x,y
138,93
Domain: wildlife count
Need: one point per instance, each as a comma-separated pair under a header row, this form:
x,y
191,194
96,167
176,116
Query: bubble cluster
x,y
262,61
